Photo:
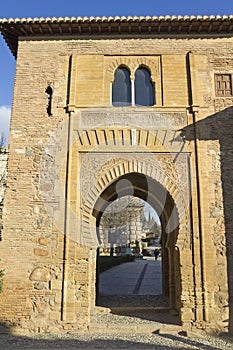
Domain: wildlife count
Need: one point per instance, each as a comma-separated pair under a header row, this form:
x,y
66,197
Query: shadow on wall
x,y
219,126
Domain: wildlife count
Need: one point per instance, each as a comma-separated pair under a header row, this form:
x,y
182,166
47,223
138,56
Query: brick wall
x,y
50,277
3,176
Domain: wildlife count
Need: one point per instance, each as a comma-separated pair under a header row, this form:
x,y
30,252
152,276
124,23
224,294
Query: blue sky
x,y
50,8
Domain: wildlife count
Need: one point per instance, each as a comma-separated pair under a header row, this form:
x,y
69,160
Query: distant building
x,y
121,225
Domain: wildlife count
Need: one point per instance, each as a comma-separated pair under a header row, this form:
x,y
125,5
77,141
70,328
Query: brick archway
x,y
158,197
111,173
151,182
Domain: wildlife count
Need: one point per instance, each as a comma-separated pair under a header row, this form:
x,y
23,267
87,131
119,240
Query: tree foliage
x,y
2,140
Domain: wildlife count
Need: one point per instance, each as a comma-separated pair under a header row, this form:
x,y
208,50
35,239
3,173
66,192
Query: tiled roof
x,y
13,28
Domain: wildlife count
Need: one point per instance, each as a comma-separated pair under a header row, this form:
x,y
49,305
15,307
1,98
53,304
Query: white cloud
x,y
5,115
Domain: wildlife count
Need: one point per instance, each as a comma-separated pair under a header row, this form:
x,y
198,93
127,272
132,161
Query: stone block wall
x,y
49,282
3,180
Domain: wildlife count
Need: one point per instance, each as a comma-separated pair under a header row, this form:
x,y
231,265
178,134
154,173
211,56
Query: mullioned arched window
x,y
139,91
143,87
121,87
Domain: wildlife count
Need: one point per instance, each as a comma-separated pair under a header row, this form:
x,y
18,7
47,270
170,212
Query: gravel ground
x,y
114,331
116,341
122,331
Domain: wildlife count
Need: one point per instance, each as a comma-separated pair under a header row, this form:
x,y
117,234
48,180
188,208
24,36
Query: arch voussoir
x,y
128,166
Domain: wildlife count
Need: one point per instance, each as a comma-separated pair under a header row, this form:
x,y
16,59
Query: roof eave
x,y
12,29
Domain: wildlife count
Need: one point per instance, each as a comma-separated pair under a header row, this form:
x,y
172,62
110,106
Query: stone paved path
x,y
133,284
141,277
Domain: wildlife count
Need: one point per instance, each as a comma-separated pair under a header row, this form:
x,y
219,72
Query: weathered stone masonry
x,y
3,176
179,160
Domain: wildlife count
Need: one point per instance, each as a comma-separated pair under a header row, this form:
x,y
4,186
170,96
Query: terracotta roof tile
x,y
13,28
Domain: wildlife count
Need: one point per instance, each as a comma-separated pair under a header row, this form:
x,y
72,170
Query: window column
x,y
133,92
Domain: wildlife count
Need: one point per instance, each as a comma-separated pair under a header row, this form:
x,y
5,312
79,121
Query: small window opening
x,y
49,91
223,85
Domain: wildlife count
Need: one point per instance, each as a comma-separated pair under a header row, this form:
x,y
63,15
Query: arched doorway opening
x,y
144,187
130,259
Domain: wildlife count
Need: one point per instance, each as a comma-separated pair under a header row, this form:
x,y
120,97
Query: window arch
x,y
121,87
144,88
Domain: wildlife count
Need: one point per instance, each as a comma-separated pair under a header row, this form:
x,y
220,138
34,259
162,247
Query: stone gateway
x,y
105,108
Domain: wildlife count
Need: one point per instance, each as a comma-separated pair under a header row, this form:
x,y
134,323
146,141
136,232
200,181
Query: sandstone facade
x,y
69,148
3,178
